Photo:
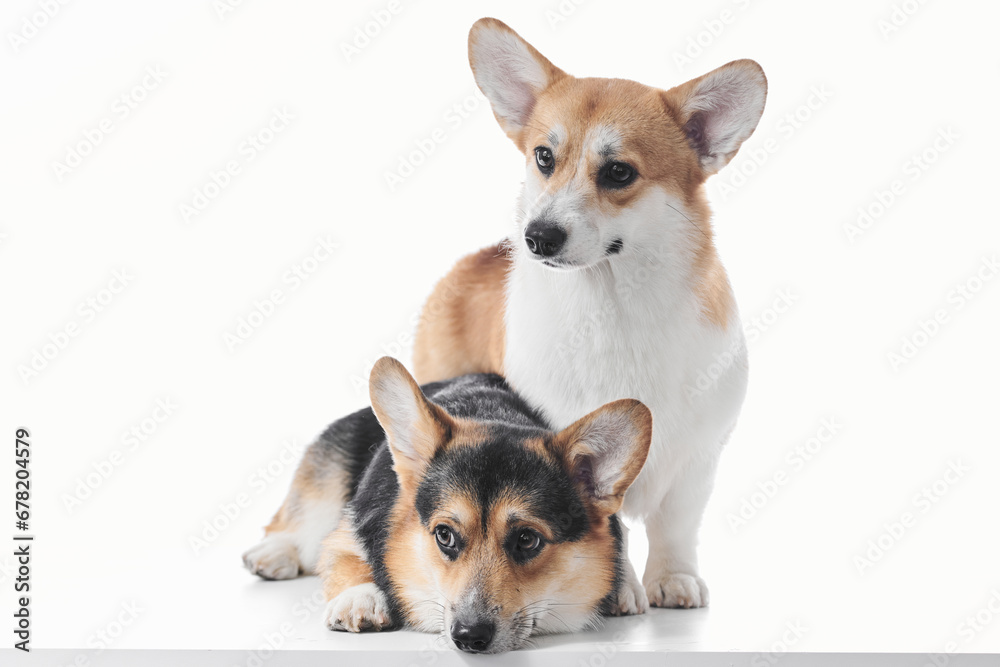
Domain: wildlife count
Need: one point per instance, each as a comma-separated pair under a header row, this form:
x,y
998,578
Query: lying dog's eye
x,y
528,541
617,175
445,538
523,545
546,161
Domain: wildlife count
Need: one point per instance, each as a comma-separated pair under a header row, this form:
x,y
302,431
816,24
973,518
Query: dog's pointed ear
x,y
605,451
414,427
720,110
510,72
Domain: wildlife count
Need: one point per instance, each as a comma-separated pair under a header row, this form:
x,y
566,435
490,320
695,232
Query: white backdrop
x,y
201,255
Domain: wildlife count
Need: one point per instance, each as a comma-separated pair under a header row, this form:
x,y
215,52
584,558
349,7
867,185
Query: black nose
x,y
544,238
472,638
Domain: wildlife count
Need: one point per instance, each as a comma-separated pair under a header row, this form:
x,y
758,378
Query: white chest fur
x,y
631,327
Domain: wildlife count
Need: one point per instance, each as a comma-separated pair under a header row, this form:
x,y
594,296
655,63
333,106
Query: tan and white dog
x,y
610,286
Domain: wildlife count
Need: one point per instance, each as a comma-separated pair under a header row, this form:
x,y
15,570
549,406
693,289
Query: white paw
x,y
631,596
361,607
274,558
676,589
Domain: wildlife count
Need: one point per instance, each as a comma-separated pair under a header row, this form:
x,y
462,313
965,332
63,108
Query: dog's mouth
x,y
557,264
614,247
513,636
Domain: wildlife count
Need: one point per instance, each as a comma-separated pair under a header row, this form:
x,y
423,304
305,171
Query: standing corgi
x,y
464,514
610,285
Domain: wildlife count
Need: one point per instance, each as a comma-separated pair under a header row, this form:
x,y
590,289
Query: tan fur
x,y
461,325
408,551
342,564
462,328
712,288
311,484
577,574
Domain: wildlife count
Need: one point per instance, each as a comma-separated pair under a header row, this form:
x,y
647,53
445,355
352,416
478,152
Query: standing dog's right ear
x,y
414,427
510,72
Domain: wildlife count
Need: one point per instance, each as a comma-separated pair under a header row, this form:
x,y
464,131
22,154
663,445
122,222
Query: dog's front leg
x,y
359,608
354,602
671,578
631,596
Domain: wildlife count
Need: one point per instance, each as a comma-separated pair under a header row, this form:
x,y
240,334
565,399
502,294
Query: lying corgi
x,y
462,513
610,284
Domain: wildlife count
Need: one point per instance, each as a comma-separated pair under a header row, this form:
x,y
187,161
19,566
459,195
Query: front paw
x,y
676,590
273,558
630,598
361,607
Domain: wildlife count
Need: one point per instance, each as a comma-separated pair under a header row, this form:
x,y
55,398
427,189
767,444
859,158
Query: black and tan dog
x,y
455,510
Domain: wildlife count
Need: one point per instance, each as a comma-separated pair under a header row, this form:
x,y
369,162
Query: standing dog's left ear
x,y
510,72
720,110
605,451
414,426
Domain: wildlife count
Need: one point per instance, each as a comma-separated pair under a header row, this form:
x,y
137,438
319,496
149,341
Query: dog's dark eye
x,y
546,161
528,541
617,175
445,537
523,545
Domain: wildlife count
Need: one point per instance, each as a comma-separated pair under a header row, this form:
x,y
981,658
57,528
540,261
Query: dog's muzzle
x,y
473,638
544,238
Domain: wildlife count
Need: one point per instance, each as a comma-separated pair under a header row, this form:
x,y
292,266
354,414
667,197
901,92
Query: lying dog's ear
x,y
605,450
720,110
510,72
414,426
